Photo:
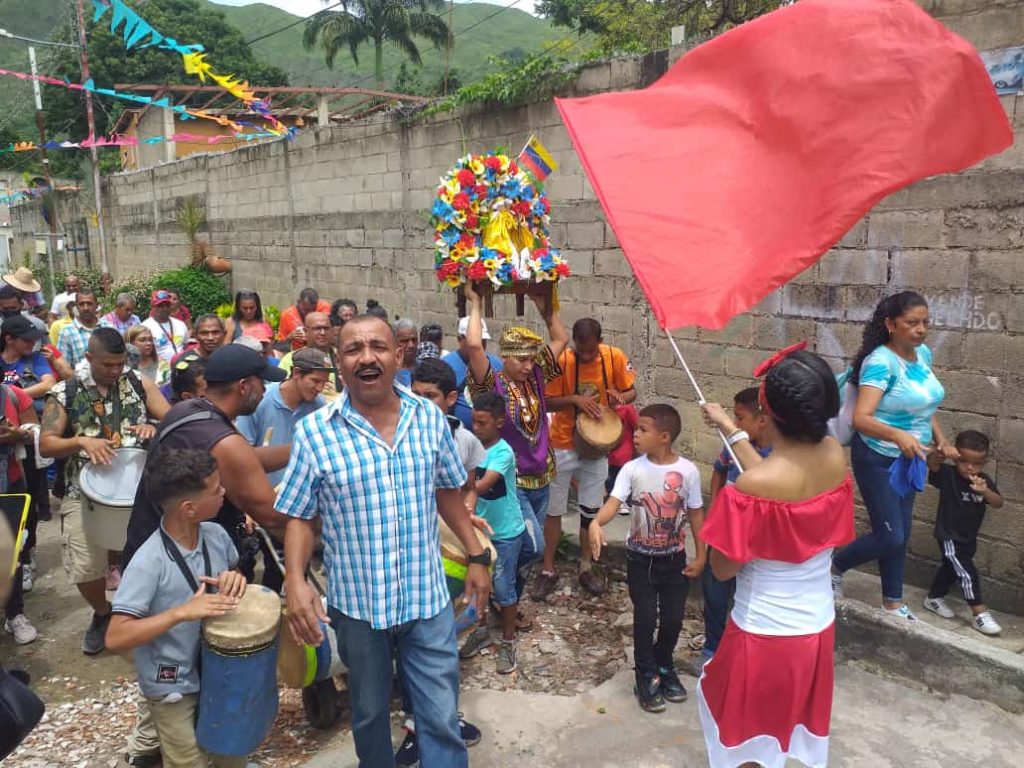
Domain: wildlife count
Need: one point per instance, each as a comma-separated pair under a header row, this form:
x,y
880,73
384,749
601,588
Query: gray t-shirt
x,y
471,450
151,584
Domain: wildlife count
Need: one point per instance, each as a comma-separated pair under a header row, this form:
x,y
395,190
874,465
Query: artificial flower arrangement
x,y
491,224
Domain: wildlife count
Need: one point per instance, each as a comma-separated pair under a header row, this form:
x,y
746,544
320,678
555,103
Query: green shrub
x,y
272,315
200,290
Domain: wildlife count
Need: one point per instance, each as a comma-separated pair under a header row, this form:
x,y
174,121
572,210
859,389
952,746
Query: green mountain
x,y
481,31
509,32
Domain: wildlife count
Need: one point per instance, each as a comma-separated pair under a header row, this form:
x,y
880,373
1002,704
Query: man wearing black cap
x,y
235,376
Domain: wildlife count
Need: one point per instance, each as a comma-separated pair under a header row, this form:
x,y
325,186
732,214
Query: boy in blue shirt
x,y
498,504
165,592
718,594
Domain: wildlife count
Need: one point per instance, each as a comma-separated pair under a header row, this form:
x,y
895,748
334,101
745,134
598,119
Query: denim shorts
x,y
513,555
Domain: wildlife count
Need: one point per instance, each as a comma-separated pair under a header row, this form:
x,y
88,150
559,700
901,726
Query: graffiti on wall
x,y
963,310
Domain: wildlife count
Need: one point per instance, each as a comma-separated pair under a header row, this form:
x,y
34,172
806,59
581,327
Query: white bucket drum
x,y
108,493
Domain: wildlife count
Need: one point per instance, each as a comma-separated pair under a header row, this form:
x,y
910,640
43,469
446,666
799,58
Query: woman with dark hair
x,y
897,396
767,694
246,317
344,310
374,309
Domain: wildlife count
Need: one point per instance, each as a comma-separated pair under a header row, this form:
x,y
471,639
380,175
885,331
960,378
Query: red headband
x,y
766,366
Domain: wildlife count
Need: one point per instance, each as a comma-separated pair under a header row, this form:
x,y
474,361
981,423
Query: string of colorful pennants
x,y
183,112
120,140
138,33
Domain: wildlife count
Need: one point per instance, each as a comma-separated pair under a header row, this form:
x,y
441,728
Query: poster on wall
x,y
1006,68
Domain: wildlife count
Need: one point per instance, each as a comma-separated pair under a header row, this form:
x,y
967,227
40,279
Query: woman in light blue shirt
x,y
897,396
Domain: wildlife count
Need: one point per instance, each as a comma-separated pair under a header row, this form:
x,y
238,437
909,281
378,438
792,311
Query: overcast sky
x,y
308,7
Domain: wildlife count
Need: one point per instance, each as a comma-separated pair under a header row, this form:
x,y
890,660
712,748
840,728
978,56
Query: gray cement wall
x,y
344,209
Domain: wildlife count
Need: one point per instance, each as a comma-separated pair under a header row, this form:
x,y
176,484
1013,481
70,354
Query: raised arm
x,y
246,484
558,336
478,362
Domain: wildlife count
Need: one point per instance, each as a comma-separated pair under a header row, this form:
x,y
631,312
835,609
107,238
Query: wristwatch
x,y
484,558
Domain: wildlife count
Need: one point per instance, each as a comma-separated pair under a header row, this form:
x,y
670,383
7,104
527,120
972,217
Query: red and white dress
x,y
767,694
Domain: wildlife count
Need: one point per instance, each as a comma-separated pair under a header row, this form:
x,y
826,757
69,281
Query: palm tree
x,y
378,22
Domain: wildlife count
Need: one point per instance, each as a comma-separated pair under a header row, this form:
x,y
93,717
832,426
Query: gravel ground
x,y
577,643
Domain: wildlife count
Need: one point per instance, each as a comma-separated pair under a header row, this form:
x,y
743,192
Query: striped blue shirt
x,y
381,542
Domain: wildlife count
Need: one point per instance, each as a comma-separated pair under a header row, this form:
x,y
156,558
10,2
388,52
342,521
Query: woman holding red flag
x,y
767,694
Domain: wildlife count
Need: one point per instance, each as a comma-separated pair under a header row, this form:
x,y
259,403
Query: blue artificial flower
x,y
538,207
443,210
511,188
451,236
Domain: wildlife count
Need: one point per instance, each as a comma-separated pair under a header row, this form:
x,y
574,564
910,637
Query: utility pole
x,y
93,155
40,123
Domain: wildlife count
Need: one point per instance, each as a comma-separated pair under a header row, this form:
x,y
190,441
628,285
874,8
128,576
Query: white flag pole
x,y
700,396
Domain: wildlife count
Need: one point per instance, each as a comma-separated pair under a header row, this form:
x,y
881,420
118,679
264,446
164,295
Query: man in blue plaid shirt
x,y
378,465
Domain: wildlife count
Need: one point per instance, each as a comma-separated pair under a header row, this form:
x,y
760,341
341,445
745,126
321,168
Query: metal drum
x,y
108,493
238,697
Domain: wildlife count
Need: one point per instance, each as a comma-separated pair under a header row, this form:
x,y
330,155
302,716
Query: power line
x,y
12,36
294,23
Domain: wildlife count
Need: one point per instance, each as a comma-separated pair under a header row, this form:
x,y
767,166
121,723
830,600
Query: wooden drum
x,y
597,437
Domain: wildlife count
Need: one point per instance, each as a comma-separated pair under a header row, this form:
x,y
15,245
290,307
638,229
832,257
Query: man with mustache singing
x,y
378,465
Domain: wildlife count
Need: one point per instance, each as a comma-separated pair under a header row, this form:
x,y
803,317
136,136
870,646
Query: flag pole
x,y
701,400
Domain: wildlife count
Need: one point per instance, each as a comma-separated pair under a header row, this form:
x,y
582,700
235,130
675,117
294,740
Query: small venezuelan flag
x,y
535,158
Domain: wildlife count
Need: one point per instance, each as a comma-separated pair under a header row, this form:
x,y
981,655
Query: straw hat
x,y
23,280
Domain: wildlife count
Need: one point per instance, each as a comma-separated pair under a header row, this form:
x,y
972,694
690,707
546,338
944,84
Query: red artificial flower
x,y
466,178
467,241
547,204
460,202
447,269
481,191
513,168
472,221
477,271
521,208
493,163
540,253
563,270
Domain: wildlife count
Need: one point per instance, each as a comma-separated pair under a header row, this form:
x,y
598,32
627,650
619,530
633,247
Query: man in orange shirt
x,y
594,374
292,326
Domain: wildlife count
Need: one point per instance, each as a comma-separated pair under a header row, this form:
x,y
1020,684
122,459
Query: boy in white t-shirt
x,y
662,491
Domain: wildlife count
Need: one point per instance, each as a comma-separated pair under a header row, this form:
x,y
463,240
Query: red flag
x,y
758,150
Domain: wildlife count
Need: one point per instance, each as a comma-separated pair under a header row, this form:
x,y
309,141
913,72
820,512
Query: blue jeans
x,y
718,597
509,577
890,518
429,658
534,503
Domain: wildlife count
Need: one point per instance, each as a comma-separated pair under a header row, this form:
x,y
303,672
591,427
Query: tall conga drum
x,y
238,697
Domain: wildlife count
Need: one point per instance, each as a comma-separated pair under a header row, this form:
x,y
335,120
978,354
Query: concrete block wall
x,y
344,209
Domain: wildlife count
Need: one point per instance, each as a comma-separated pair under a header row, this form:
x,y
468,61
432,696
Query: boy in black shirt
x,y
964,493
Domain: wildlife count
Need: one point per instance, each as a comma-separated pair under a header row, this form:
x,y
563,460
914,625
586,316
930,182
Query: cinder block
x,y
905,229
852,266
985,228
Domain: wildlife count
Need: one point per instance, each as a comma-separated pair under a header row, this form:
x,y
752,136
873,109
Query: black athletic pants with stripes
x,y
957,566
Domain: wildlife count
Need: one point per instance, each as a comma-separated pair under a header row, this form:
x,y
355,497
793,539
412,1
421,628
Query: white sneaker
x,y
903,612
837,586
23,631
985,624
939,606
26,579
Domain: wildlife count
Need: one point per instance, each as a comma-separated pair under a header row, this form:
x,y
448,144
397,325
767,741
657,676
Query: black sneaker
x,y
408,755
95,639
672,687
143,761
648,693
469,732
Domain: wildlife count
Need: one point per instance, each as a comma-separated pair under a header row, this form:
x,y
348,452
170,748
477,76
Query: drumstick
x,y
267,436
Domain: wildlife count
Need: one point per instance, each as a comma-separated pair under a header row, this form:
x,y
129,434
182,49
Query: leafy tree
x,y
110,62
377,22
638,26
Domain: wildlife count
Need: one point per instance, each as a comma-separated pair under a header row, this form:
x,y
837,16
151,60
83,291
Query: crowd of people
x,y
361,433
